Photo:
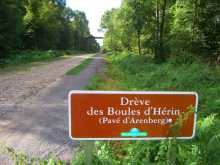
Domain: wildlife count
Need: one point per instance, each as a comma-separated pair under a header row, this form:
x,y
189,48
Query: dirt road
x,y
34,109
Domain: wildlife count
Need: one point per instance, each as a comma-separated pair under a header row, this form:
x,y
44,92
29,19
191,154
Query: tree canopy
x,y
42,24
164,28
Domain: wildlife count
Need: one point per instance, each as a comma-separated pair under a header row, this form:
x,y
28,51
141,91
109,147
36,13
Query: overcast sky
x,y
94,10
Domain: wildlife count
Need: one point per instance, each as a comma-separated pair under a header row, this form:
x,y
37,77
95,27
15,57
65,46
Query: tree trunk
x,y
194,24
157,30
161,42
139,43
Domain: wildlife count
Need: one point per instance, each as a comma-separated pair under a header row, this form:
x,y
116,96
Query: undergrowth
x,y
140,73
26,57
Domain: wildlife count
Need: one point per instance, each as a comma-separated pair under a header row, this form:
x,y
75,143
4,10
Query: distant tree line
x,y
164,28
43,25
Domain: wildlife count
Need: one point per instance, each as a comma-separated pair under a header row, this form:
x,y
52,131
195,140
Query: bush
x,y
25,57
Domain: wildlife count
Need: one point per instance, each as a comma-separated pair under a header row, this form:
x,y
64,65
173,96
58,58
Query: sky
x,y
94,10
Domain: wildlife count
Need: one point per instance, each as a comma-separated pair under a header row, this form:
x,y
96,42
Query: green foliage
x,y
125,26
109,22
51,26
11,12
28,57
133,72
209,25
164,28
42,25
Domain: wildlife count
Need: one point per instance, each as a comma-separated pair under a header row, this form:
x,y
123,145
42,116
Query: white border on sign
x,y
132,92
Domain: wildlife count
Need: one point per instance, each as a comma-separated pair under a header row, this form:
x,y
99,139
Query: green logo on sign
x,y
134,132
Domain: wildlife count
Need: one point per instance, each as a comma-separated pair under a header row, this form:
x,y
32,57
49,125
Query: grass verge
x,y
76,70
26,59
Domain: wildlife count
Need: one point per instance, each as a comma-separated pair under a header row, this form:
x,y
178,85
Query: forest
x,y
164,28
41,25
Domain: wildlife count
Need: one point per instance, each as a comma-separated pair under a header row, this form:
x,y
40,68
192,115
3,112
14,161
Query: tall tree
x,y
209,25
160,16
109,24
161,41
11,12
138,16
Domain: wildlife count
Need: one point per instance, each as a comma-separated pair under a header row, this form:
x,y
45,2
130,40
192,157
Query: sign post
x,y
131,115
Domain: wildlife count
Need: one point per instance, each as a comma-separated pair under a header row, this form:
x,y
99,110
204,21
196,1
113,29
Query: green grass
x,y
76,70
20,158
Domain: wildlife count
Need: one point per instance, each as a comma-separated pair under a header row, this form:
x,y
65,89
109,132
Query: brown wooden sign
x,y
119,115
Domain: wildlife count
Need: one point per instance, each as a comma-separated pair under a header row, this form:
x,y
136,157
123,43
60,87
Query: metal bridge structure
x,y
94,37
90,39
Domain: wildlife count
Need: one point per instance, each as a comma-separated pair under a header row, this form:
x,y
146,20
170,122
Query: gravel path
x,y
15,87
34,108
